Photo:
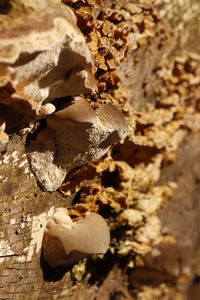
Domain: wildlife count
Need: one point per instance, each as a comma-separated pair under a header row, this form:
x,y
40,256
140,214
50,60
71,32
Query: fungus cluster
x,y
43,61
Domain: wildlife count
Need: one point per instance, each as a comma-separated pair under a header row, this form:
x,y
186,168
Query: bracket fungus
x,y
74,136
40,60
66,241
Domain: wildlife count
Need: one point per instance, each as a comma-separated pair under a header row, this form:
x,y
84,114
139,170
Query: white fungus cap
x,y
66,241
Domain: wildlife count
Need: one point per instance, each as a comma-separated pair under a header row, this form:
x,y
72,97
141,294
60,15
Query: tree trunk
x,y
147,186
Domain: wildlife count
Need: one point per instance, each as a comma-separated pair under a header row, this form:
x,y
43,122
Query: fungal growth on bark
x,y
40,61
66,241
140,58
74,136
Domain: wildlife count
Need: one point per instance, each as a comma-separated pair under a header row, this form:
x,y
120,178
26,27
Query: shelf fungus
x,y
41,61
74,136
65,241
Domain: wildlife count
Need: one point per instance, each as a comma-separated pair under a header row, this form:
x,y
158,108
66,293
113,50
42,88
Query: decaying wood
x,y
142,58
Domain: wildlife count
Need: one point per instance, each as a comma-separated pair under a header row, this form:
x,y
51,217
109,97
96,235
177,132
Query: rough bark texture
x,y
144,58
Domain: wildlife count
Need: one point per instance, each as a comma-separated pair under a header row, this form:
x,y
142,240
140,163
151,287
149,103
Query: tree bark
x,y
146,64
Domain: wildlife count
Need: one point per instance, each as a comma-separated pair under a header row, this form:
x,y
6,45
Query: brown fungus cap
x,y
66,241
79,111
75,136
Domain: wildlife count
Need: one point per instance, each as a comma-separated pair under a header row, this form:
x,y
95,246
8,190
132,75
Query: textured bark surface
x,y
146,64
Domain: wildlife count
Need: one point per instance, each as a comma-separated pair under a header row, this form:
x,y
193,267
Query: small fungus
x,y
46,109
2,124
4,138
65,241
